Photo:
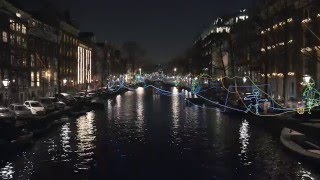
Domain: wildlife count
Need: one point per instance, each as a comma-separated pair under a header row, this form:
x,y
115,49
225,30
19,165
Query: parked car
x,y
68,99
85,96
7,118
89,97
35,107
46,103
80,96
20,111
57,104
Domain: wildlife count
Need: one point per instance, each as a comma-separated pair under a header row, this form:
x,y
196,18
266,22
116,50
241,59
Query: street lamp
x,y
244,79
140,71
6,83
64,81
306,79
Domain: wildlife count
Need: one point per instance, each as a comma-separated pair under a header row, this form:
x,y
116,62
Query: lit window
x,y
18,27
4,36
24,29
32,79
12,24
38,79
55,77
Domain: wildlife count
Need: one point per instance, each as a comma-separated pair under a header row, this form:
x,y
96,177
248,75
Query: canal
x,y
144,135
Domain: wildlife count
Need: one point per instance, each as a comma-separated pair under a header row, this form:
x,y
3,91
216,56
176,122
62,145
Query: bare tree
x,y
133,53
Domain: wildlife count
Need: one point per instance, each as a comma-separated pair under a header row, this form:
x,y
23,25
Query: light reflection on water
x,y
65,141
175,110
140,109
146,131
305,175
244,141
86,135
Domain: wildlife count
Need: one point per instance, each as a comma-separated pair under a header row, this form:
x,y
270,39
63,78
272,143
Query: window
x,y
12,58
24,59
24,29
18,40
55,77
4,36
38,79
18,27
32,79
23,42
32,60
12,25
12,39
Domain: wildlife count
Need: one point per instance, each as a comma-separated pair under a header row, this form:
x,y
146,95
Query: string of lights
x,y
250,102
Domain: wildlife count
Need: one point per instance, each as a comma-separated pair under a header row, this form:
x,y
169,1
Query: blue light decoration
x,y
254,97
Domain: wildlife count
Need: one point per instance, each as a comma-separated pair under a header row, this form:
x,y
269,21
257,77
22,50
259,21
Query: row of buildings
x,y
41,53
277,42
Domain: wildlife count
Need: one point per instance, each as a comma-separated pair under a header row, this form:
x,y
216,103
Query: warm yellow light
x,y
290,73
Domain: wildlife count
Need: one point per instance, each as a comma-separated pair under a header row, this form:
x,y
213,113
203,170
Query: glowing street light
x,y
64,81
140,71
244,79
306,80
6,83
175,69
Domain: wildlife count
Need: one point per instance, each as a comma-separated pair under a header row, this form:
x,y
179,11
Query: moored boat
x,y
299,144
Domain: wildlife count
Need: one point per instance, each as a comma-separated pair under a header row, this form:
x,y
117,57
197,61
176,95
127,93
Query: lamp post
x,y
6,83
174,70
140,71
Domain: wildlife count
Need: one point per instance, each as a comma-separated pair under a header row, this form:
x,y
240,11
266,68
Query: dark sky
x,y
165,28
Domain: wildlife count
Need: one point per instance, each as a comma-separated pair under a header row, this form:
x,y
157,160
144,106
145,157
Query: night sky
x,y
165,28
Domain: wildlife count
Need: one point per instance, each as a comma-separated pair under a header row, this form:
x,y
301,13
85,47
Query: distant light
x,y
18,14
64,81
6,82
306,78
244,79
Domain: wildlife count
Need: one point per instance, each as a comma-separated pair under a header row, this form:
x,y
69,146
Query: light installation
x,y
250,102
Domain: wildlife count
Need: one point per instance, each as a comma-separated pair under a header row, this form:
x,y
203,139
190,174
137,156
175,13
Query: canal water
x,y
143,135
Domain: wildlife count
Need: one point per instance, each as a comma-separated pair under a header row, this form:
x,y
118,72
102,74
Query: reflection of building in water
x,y
244,141
86,135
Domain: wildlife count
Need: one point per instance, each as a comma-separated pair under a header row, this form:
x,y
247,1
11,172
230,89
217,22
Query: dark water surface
x,y
142,135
